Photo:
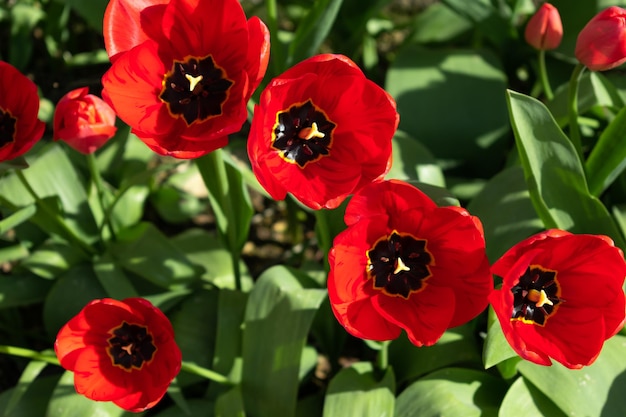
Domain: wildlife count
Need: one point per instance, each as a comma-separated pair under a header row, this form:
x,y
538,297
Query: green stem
x,y
205,373
97,180
278,61
382,360
543,75
30,354
69,233
574,129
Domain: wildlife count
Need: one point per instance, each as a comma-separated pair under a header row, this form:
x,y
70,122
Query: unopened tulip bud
x,y
544,30
601,45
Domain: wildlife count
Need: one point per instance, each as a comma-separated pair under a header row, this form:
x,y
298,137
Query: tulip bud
x,y
83,120
544,30
601,44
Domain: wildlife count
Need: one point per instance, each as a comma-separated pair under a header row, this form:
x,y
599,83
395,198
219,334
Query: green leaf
x,y
145,251
554,173
522,395
92,11
457,346
313,29
112,278
496,348
277,320
197,407
17,218
594,391
608,157
355,391
24,18
33,402
432,89
230,404
506,211
52,259
30,373
65,402
21,290
452,392
438,23
413,161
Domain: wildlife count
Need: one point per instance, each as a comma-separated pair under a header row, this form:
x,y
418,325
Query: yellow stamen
x,y
400,266
128,349
540,298
310,132
193,81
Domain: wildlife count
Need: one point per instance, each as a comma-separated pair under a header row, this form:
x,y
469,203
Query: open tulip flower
x,y
183,71
561,296
321,132
83,121
601,44
405,264
544,30
120,351
20,128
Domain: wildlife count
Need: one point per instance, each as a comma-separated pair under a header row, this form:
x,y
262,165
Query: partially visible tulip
x,y
84,121
544,30
601,44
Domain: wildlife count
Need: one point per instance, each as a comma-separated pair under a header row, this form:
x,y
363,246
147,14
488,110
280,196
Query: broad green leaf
x,y
506,211
112,278
413,161
230,404
13,253
33,402
355,391
147,252
92,11
17,218
594,391
608,157
52,259
554,174
24,18
522,395
18,290
452,392
198,408
496,348
195,326
278,315
457,346
438,23
65,402
434,90
71,292
313,29
30,373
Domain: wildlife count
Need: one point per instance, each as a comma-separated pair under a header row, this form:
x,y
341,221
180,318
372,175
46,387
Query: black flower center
x,y
131,346
303,133
399,264
7,128
195,89
536,296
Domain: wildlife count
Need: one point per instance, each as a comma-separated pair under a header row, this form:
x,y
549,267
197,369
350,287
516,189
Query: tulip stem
x,y
543,75
96,178
68,232
30,354
278,60
382,360
574,129
205,373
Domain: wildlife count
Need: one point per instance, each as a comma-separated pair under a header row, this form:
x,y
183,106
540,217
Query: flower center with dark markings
x,y
303,134
195,89
399,264
536,296
7,128
131,346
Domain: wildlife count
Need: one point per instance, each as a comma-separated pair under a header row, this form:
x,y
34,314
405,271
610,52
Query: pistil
x,y
310,132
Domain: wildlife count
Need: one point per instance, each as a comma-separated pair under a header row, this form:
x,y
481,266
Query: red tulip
x,y
183,70
83,120
561,297
120,351
20,128
544,30
321,131
601,44
405,264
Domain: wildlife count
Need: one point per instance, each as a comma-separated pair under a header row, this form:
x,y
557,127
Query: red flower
x,y
544,30
561,296
601,44
83,120
321,131
19,105
120,351
404,263
184,71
